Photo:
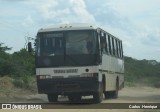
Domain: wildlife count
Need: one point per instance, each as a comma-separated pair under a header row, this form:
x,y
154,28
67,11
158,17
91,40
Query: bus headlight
x,y
95,75
43,76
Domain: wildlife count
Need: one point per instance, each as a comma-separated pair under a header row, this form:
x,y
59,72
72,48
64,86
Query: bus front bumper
x,y
65,86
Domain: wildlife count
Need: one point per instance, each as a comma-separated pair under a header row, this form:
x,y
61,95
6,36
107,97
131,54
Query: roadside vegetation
x,y
17,72
142,72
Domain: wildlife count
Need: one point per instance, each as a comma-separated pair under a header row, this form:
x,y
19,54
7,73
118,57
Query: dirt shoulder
x,y
138,95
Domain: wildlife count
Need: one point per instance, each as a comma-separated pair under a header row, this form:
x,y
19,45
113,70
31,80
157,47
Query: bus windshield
x,y
70,42
66,48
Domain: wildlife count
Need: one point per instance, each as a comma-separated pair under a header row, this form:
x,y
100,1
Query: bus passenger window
x,y
107,45
113,47
109,42
103,42
121,49
118,52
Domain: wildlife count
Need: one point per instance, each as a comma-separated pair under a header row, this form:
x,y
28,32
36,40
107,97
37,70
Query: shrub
x,y
23,81
6,86
6,82
157,85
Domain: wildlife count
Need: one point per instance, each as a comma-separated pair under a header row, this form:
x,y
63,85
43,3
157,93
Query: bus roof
x,y
78,26
68,27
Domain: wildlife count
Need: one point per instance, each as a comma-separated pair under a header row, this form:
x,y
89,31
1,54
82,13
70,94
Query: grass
x,y
6,86
129,84
17,87
143,81
157,85
23,81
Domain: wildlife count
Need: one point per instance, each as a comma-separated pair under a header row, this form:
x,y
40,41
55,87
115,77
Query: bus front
x,y
66,63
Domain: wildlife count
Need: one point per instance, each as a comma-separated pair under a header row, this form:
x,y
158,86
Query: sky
x,y
135,22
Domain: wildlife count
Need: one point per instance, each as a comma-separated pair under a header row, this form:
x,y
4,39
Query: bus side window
x,y
114,53
110,44
121,49
103,42
115,47
107,45
113,50
118,51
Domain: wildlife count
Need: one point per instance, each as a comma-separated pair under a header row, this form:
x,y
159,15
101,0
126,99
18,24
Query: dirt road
x,y
126,95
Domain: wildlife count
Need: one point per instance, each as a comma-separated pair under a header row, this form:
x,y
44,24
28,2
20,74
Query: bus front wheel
x,y
98,96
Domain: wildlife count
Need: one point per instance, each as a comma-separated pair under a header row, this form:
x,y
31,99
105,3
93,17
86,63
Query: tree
x,y
23,62
4,48
6,68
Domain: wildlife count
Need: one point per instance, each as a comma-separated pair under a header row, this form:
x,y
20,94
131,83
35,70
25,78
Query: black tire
x,y
74,98
98,96
108,95
52,97
105,95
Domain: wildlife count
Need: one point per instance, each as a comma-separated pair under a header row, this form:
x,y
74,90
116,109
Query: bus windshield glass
x,y
66,48
51,44
69,42
80,42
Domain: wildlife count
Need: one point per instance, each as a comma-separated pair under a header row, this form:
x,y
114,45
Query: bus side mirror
x,y
29,47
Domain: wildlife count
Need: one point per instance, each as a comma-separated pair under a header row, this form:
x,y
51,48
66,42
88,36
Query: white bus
x,y
78,60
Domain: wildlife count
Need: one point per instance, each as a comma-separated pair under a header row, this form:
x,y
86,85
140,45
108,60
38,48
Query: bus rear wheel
x,y
52,97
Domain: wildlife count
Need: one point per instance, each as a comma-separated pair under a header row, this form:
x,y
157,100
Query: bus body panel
x,y
112,68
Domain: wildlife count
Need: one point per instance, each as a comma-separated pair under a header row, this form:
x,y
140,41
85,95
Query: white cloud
x,y
79,9
151,36
127,44
79,3
47,8
133,7
28,22
136,22
133,22
60,11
